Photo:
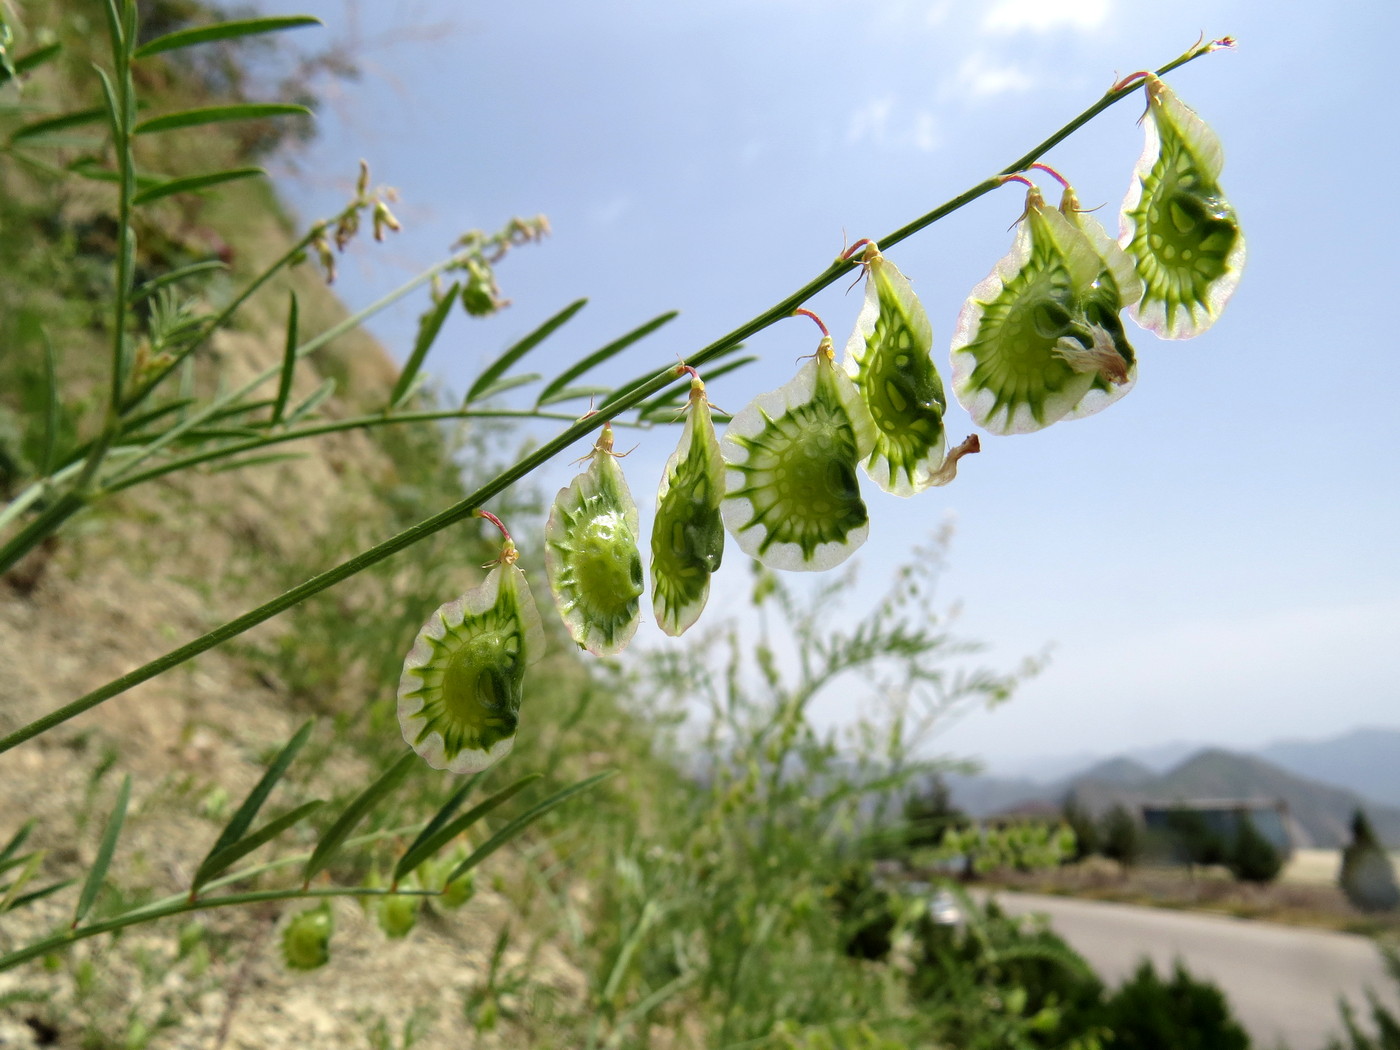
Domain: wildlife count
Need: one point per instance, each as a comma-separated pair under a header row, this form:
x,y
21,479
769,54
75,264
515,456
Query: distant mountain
x,y
1322,812
1365,760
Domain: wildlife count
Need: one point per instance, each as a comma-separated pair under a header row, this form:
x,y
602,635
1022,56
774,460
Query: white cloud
x,y
870,123
981,77
926,138
1042,16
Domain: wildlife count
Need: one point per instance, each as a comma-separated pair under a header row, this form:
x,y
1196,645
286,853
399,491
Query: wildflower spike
x,y
792,495
1035,342
591,556
687,538
1177,225
889,359
459,696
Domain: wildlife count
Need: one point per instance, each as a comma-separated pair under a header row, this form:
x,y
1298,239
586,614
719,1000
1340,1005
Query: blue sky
x,y
1213,557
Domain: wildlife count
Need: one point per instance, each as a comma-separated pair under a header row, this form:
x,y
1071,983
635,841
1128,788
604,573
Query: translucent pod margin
x,y
1177,226
792,491
462,683
1024,353
687,537
591,555
889,358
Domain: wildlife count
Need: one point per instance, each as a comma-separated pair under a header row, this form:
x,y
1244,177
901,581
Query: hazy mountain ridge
x,y
1322,811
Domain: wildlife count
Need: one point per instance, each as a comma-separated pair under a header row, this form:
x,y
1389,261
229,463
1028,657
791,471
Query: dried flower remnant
x,y
889,357
1031,346
687,537
792,492
1177,225
591,555
459,697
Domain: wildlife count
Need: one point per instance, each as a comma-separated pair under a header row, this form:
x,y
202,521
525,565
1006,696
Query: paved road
x,y
1283,982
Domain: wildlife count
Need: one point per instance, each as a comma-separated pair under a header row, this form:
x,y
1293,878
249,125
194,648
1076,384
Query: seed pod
x,y
792,496
306,942
1177,225
459,697
398,914
591,556
687,537
1026,351
889,358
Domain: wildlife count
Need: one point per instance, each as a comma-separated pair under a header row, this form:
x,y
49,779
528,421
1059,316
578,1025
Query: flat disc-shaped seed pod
x,y
1116,287
459,696
1177,225
889,358
1024,355
687,537
591,555
792,492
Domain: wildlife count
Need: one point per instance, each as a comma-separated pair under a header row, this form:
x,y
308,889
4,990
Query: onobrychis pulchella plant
x,y
1077,301
1039,340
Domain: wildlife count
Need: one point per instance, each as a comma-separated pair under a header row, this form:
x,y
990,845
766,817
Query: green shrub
x,y
1185,1013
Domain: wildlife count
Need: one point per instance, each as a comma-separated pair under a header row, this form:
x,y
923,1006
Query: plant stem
x,y
542,455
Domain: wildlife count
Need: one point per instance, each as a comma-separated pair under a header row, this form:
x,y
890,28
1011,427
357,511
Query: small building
x,y
1222,817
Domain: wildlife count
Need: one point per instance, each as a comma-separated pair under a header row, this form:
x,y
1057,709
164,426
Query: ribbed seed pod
x,y
889,358
306,941
1026,351
792,495
687,537
1177,225
459,696
591,555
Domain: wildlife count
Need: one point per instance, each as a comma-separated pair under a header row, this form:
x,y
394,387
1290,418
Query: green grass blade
x,y
561,381
222,31
40,894
520,823
194,118
31,866
573,393
52,410
30,60
242,820
312,402
221,860
497,368
76,119
426,847
445,811
252,461
331,842
289,361
98,872
427,333
194,183
155,284
502,385
16,841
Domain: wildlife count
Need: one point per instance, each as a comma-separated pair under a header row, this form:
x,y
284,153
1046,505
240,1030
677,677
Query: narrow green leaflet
x,y
687,537
792,493
889,358
591,555
1177,225
1025,351
459,696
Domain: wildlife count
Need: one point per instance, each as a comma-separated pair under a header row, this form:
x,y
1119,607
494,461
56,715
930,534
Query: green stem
x,y
180,902
542,455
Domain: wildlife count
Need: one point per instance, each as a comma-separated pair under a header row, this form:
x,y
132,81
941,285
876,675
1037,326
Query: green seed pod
x,y
458,892
398,914
889,358
591,556
687,537
1026,352
306,942
792,496
459,697
1177,224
